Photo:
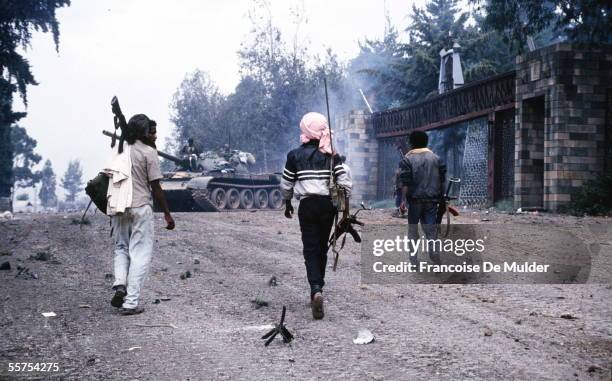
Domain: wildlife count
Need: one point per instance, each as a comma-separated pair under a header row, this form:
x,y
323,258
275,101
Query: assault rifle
x,y
340,200
119,122
444,206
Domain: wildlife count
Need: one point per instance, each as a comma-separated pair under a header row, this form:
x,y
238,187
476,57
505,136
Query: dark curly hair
x,y
138,129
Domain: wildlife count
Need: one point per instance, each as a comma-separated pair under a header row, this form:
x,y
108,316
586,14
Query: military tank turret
x,y
218,181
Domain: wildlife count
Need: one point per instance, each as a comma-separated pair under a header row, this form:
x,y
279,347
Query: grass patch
x,y
504,205
593,199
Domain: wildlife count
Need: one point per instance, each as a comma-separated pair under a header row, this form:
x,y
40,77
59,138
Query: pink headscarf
x,y
314,127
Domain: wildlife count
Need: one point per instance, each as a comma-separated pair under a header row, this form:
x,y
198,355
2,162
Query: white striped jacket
x,y
307,173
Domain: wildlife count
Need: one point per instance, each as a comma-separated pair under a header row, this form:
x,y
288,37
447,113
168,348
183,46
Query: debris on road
x,y
156,325
568,316
272,282
279,328
24,273
84,306
488,331
133,349
41,256
5,266
364,336
108,276
49,314
258,303
196,261
185,275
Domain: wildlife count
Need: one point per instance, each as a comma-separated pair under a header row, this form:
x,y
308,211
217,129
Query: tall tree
x,y
280,82
47,190
17,22
195,111
24,158
401,73
378,70
72,181
581,21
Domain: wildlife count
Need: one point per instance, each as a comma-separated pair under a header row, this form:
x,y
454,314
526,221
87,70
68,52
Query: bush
x,y
594,199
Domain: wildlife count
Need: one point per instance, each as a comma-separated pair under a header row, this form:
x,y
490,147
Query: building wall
x,y
561,95
463,147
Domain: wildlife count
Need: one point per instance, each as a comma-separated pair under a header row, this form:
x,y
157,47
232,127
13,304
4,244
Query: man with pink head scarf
x,y
306,177
314,127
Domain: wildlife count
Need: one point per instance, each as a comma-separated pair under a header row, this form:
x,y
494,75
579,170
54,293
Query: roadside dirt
x,y
210,329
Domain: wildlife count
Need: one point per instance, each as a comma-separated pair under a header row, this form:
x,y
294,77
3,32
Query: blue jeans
x,y
425,213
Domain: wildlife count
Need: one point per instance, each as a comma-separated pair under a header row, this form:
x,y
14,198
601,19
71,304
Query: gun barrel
x,y
160,153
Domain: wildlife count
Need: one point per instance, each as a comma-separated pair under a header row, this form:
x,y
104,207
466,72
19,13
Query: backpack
x,y
96,189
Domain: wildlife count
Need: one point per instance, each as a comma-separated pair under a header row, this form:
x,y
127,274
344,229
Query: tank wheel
x,y
246,199
276,199
261,199
218,198
232,198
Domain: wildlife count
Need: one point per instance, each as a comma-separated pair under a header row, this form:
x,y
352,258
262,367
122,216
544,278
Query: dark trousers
x,y
425,213
316,215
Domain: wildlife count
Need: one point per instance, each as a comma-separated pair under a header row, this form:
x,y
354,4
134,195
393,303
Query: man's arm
x,y
342,173
158,193
405,179
287,183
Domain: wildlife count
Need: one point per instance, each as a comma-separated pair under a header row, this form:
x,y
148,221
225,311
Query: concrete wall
x,y
560,122
354,138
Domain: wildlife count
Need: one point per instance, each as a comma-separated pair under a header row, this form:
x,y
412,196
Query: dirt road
x,y
210,329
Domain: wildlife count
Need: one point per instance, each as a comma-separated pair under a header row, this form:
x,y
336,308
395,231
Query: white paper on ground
x,y
364,337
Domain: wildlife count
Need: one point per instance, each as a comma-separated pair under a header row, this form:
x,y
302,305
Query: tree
x,y
24,158
72,181
19,19
402,73
378,71
280,82
195,111
581,21
47,190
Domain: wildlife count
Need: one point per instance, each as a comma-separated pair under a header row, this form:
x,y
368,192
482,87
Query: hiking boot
x,y
119,297
132,311
317,306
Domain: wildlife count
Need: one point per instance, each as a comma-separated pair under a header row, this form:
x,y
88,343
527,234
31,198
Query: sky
x,y
140,50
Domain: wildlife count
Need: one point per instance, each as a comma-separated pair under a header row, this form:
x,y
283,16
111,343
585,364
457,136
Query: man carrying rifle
x,y
135,174
306,177
422,179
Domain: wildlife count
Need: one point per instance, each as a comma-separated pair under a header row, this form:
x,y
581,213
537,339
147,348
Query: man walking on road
x,y
134,174
307,176
422,179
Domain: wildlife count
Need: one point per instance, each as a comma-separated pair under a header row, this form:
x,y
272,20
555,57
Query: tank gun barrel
x,y
166,156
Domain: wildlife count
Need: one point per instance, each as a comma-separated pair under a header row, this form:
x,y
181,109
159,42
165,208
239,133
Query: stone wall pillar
x,y
354,138
572,83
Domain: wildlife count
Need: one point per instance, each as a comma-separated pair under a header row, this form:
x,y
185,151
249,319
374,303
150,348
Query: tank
x,y
218,181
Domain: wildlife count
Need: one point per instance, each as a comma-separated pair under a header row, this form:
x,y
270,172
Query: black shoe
x,y
132,311
317,306
119,297
435,258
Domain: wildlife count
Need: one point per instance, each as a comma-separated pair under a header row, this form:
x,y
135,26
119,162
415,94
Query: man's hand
x,y
288,209
402,207
169,221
